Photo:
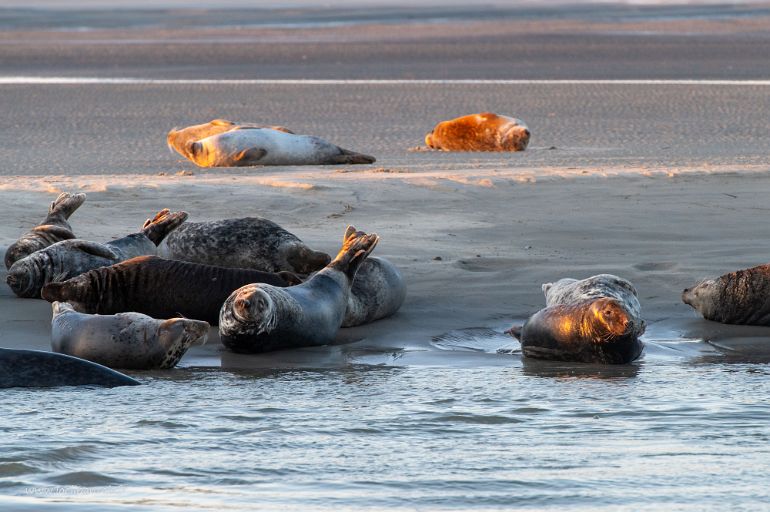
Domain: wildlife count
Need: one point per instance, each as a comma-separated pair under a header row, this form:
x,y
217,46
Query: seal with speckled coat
x,y
261,318
179,139
39,369
740,297
378,291
70,258
249,242
54,228
569,291
126,340
262,146
479,132
159,288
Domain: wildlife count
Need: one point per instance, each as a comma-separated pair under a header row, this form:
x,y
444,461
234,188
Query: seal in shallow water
x,y
250,242
70,258
261,146
54,228
39,369
261,318
126,340
569,291
178,139
740,297
479,132
158,287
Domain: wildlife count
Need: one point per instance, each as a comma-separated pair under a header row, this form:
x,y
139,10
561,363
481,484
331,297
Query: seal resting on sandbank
x,y
479,132
740,297
178,139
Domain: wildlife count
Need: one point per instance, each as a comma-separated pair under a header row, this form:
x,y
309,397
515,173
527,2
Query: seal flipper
x,y
62,207
351,157
95,249
249,156
164,222
356,247
515,331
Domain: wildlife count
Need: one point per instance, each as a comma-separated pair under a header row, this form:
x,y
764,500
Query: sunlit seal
x,y
39,369
570,291
70,258
260,318
178,139
479,132
250,242
159,288
261,146
54,228
126,340
740,297
378,291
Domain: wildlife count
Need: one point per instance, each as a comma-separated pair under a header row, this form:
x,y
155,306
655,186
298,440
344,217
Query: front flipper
x,y
249,156
94,249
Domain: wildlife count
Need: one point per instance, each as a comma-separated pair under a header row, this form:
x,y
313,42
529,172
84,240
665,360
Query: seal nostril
x,y
526,132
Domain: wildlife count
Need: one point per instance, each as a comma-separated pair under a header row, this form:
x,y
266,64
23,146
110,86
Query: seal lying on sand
x,y
595,320
378,291
126,340
250,242
38,369
54,228
479,132
740,297
260,318
70,258
178,139
261,146
158,287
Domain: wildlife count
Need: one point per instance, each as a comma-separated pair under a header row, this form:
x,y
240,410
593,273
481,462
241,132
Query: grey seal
x,y
249,242
261,146
126,340
568,291
54,228
178,139
70,258
486,131
378,291
158,287
740,297
39,369
261,318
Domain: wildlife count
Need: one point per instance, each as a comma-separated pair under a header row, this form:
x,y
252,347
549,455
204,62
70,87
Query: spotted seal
x,y
54,228
261,146
39,369
126,340
70,258
261,318
378,291
568,291
740,297
479,132
178,139
159,288
249,242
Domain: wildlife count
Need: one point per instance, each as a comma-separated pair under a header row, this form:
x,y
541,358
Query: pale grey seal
x,y
261,318
570,291
54,228
126,340
70,258
740,297
178,139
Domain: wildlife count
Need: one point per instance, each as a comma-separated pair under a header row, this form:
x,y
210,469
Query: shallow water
x,y
465,423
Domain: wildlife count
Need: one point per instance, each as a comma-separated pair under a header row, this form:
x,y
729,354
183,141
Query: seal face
x,y
250,242
179,139
260,318
378,291
54,228
70,258
157,287
593,320
259,146
740,297
126,340
479,132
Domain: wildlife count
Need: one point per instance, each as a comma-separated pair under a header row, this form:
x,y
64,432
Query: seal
x,y
378,291
479,132
249,242
54,228
39,369
178,139
126,340
70,258
261,318
260,146
568,291
158,287
741,297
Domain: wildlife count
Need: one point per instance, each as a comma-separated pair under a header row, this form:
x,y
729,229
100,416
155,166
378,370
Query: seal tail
x,y
64,206
164,222
515,331
356,246
351,157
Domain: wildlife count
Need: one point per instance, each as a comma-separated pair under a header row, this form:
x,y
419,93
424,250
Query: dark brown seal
x,y
740,297
479,132
158,287
54,228
592,331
